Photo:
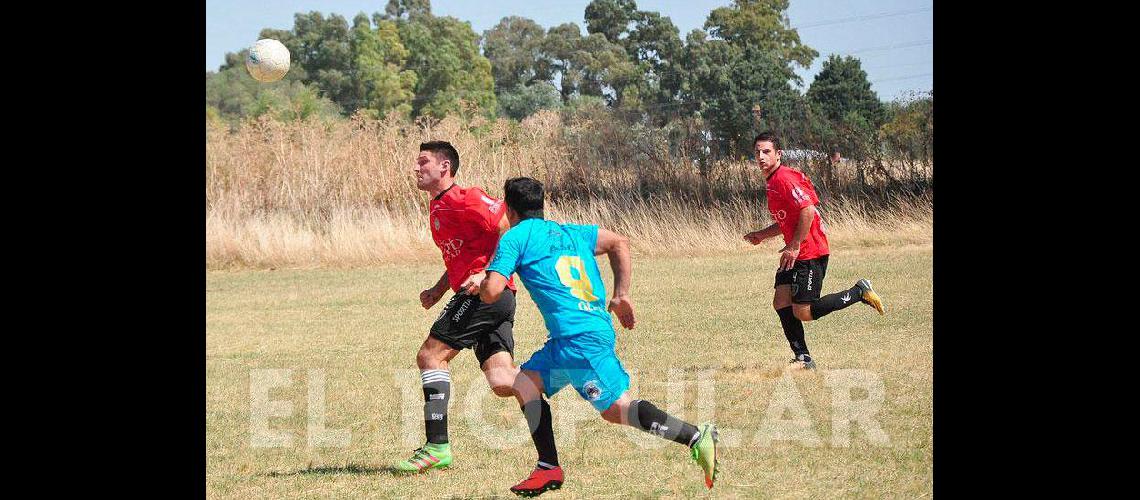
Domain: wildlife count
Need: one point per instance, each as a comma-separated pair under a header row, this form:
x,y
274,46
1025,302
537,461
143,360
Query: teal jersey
x,y
556,264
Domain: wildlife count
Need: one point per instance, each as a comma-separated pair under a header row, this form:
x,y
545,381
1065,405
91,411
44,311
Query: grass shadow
x,y
360,470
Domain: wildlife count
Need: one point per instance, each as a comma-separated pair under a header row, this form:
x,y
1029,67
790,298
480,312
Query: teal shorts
x,y
586,361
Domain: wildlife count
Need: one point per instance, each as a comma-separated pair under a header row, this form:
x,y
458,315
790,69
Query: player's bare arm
x,y
616,247
491,287
758,237
471,284
789,253
429,297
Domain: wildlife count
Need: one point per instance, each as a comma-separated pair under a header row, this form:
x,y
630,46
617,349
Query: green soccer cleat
x,y
430,456
704,453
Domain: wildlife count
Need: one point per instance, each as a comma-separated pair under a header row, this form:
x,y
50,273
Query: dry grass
x,y
352,237
340,194
702,322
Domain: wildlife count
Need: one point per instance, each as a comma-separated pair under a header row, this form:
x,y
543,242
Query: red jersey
x,y
789,192
465,226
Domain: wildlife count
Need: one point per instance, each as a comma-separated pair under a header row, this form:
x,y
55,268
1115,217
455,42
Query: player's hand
x,y
429,297
471,285
755,237
623,308
788,257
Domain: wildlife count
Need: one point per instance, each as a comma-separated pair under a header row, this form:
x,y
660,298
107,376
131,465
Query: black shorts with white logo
x,y
466,322
806,279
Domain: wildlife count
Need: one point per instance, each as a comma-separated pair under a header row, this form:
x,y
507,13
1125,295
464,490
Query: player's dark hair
x,y
767,136
443,148
524,196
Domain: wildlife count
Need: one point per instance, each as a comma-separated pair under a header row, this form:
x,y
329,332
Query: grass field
x,y
707,346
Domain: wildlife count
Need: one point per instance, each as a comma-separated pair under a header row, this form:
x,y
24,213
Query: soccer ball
x,y
268,60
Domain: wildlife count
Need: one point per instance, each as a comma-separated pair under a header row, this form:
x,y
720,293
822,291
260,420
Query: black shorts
x,y
466,322
806,279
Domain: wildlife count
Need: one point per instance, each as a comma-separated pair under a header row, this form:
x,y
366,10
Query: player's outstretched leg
x,y
869,296
646,416
704,452
861,292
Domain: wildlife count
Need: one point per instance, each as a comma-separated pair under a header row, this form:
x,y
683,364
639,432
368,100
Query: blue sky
x,y
893,38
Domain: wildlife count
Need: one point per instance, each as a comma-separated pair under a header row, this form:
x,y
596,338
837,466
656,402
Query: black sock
x,y
793,330
537,414
437,389
836,301
647,417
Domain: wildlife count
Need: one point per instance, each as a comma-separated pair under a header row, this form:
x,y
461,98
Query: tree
x,y
380,57
404,9
322,48
232,94
652,43
745,60
841,87
444,54
763,25
604,65
728,80
514,48
611,18
909,133
656,45
560,46
522,101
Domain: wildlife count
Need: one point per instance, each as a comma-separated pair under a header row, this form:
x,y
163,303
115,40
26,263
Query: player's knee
x,y
617,411
612,414
503,390
427,359
802,312
501,382
524,389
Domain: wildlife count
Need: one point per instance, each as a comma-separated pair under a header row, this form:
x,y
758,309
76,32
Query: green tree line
x,y
720,84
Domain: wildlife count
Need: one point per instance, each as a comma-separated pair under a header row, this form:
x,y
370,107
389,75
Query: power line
x,y
907,77
869,68
862,18
892,46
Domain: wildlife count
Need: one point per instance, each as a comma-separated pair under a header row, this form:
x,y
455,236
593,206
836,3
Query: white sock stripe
x,y
429,372
544,464
696,436
436,378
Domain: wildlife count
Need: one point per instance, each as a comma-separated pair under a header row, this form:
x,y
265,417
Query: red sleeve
x,y
486,211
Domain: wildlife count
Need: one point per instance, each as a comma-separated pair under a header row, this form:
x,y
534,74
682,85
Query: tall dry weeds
x,y
311,194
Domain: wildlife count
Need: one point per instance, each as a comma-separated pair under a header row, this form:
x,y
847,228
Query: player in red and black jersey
x,y
465,224
803,260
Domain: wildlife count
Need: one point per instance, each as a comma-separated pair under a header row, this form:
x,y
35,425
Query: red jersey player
x,y
803,260
465,224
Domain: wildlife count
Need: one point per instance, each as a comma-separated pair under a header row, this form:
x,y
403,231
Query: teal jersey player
x,y
556,263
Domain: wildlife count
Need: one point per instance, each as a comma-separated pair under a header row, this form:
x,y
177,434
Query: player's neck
x,y
444,185
768,174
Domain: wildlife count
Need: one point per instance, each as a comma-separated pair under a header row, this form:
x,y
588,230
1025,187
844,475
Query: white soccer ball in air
x,y
268,60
